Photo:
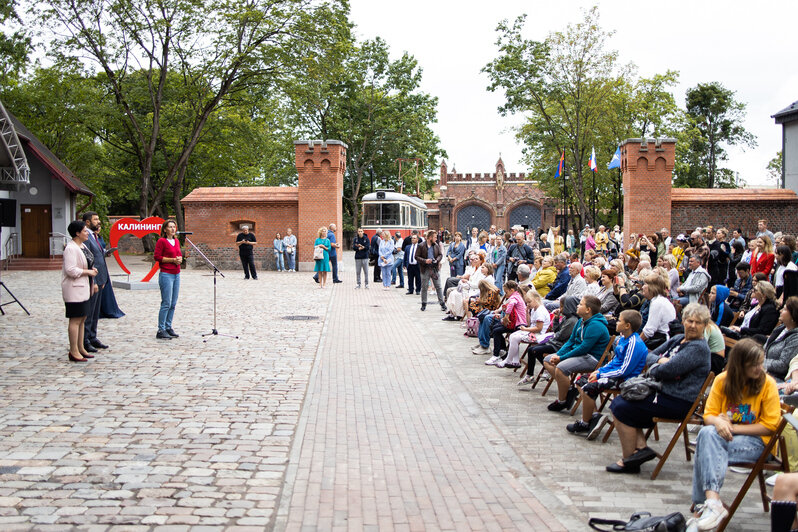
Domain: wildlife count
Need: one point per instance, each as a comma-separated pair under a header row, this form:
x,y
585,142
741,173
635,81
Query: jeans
x,y
436,282
499,277
169,284
289,261
386,275
248,262
397,267
713,455
684,301
278,258
484,331
362,265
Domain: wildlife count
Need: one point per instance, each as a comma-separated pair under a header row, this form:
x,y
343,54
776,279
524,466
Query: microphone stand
x,y
214,331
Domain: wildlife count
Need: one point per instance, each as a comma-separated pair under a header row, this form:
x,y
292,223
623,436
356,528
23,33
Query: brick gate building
x,y
481,200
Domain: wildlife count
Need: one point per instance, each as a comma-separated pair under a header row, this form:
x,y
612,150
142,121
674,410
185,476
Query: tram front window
x,y
390,214
371,214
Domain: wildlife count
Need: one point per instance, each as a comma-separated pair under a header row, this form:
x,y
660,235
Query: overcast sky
x,y
749,47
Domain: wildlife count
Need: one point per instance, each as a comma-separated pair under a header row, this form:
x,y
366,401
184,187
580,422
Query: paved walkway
x,y
373,416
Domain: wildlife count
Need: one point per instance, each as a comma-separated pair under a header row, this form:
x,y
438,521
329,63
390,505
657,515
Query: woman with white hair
x,y
386,259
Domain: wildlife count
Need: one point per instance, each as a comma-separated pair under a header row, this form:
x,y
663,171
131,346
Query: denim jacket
x,y
456,254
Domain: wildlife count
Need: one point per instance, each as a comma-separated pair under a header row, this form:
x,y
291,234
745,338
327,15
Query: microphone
x,y
184,233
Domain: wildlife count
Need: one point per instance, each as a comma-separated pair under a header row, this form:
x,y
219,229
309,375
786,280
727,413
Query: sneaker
x,y
712,515
573,393
492,361
357,287
771,480
597,423
556,406
500,363
526,380
502,353
367,287
739,470
580,427
481,350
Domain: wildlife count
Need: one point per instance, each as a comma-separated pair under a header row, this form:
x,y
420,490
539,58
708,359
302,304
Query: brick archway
x,y
526,213
473,213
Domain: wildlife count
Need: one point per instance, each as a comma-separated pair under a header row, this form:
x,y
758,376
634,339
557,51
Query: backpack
x,y
643,522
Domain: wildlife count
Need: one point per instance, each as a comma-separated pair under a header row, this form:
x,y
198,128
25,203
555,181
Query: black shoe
x,y
98,344
163,335
418,293
448,318
573,393
254,278
639,457
423,307
615,468
443,308
337,281
580,427
90,348
557,406
400,286
246,278
408,293
172,333
316,279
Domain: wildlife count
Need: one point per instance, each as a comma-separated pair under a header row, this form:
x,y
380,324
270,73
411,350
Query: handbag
x,y
472,327
643,522
289,250
639,387
318,253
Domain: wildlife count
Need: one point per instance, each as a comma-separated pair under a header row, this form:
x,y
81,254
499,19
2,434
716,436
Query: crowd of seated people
x,y
671,307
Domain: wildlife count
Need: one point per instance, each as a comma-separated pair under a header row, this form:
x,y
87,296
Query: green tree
x,y
774,168
357,94
565,86
712,122
204,54
15,45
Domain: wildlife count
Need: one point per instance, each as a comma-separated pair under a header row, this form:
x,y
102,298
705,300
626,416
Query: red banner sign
x,y
139,228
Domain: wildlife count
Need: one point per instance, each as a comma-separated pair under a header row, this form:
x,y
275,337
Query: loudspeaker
x,y
8,213
381,194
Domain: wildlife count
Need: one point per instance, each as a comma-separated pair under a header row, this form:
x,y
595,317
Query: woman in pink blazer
x,y
77,287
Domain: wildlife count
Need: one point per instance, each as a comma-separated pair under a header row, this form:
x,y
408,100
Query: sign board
x,y
139,228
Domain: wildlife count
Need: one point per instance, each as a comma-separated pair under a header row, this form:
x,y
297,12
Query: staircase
x,y
23,264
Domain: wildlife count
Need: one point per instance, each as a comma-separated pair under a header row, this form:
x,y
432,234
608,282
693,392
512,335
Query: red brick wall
x,y
647,167
781,215
215,227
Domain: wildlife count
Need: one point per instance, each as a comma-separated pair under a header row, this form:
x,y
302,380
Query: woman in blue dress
x,y
322,264
456,256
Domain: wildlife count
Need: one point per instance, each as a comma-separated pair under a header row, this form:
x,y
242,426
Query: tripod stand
x,y
214,331
15,300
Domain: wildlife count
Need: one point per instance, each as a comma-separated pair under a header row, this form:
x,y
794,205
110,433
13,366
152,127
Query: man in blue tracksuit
x,y
629,360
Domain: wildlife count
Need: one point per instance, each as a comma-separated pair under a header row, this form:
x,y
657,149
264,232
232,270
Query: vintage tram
x,y
386,209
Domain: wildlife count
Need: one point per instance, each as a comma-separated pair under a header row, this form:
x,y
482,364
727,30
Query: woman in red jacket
x,y
762,257
168,255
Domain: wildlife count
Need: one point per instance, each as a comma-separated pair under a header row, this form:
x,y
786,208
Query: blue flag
x,y
616,160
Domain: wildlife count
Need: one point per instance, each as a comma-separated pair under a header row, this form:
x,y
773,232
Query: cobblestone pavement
x,y
374,416
154,432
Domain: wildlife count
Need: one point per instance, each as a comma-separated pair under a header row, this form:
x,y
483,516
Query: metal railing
x,y
58,242
10,248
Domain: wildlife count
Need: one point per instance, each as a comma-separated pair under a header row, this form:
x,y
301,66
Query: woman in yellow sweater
x,y
547,274
741,413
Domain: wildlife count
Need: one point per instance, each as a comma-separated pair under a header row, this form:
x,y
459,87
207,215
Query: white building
x,y
39,195
788,118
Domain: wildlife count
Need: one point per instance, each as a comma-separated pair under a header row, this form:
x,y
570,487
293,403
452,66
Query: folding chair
x,y
692,418
574,375
767,462
695,416
606,356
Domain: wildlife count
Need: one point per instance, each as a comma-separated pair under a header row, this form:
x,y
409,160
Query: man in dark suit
x,y
374,252
429,255
413,271
90,340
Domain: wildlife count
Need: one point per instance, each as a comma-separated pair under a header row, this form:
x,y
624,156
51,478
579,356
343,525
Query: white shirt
x,y
576,287
780,272
592,289
540,314
660,314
